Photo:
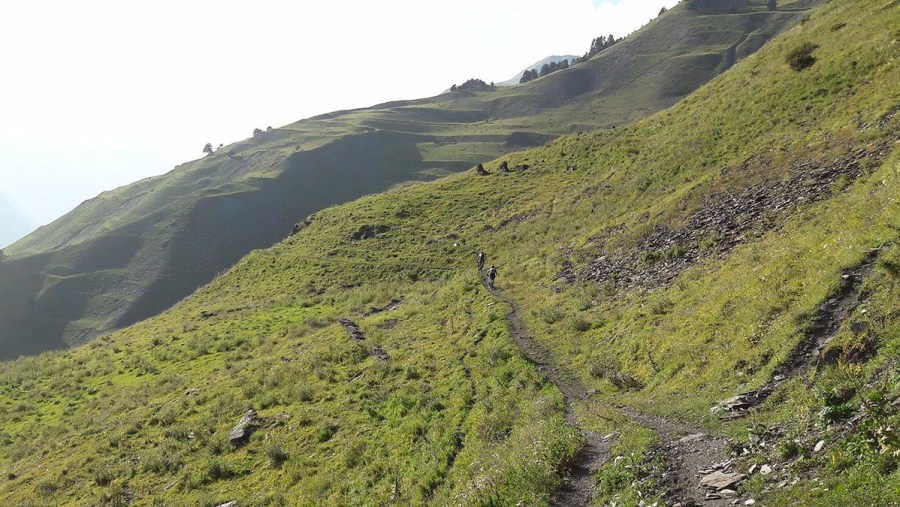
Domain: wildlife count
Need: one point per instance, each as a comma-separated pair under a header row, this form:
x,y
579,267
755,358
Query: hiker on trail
x,y
492,273
481,258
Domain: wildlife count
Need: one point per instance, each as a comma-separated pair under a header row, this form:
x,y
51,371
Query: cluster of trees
x,y
547,68
598,45
208,149
474,85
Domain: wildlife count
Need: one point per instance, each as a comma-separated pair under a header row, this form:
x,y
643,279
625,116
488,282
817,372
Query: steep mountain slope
x,y
536,66
13,225
743,241
133,252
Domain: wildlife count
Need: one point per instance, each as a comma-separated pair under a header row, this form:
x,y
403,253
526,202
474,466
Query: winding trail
x,y
579,485
688,452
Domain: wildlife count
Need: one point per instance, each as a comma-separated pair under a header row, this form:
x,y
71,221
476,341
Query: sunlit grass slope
x,y
132,252
457,416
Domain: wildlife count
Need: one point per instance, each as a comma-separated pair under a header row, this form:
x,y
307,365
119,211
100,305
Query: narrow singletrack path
x,y
579,485
688,452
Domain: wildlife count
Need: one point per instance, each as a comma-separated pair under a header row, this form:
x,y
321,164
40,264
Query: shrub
x,y
801,57
217,470
551,314
277,455
581,325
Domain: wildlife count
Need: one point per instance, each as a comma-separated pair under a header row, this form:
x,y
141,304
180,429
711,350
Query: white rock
x,y
750,502
765,469
819,446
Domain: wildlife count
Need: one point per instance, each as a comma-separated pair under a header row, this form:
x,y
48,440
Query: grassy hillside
x,y
133,252
698,254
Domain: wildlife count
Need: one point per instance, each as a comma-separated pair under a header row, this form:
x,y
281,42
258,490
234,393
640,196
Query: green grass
x,y
458,416
141,248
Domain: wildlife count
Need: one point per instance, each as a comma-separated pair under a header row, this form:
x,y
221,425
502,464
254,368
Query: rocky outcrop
x,y
299,226
369,231
353,330
250,422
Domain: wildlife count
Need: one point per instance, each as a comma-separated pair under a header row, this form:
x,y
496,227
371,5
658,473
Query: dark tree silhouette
x,y
257,132
208,148
528,75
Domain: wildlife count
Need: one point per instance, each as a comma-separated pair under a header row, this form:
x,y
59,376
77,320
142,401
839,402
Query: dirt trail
x,y
688,452
578,488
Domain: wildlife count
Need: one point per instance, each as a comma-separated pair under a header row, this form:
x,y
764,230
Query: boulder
x,y
479,170
241,432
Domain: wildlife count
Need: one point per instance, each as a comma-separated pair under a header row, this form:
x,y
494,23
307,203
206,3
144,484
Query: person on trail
x,y
481,258
492,273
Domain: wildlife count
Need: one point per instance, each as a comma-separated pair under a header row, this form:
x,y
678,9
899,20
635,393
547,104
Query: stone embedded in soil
x,y
721,480
765,470
353,330
819,445
692,438
380,353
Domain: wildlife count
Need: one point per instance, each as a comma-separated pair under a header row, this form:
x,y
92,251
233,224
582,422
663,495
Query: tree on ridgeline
x,y
474,85
598,45
528,75
208,148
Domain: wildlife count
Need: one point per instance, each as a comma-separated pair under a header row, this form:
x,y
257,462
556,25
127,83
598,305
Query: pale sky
x,y
95,94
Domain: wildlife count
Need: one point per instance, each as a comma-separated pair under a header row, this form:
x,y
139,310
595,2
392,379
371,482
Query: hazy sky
x,y
95,94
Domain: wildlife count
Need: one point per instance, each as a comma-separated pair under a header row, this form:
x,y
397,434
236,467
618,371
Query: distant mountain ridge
x,y
133,252
13,223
